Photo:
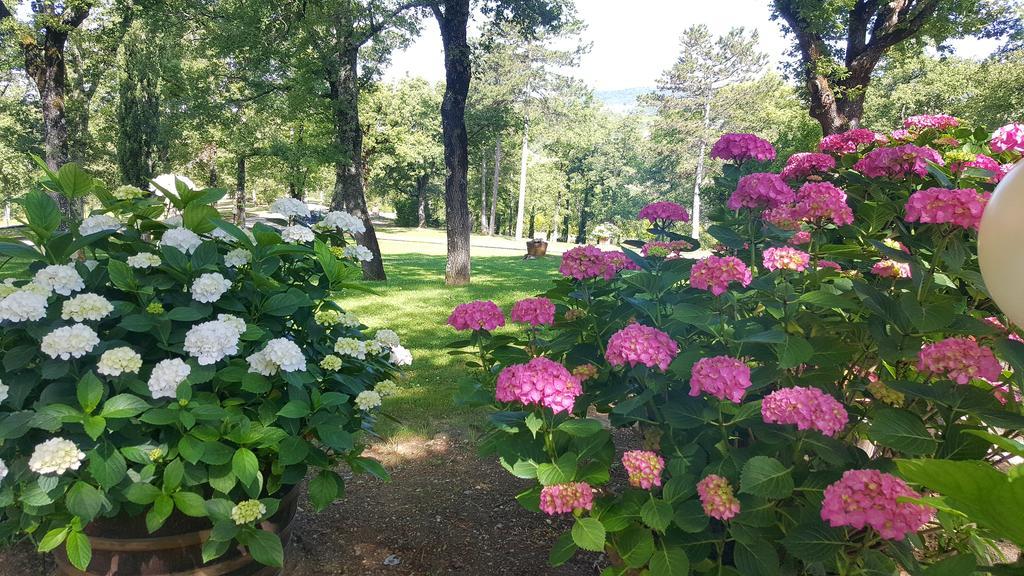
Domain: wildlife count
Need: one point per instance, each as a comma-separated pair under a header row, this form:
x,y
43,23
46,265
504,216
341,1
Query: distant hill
x,y
622,100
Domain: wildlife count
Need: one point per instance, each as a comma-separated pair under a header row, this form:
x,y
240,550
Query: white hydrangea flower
x,y
374,347
297,234
181,238
174,221
98,223
7,288
34,287
351,347
117,361
234,321
368,400
361,253
144,260
69,342
248,511
237,257
4,390
166,376
23,305
279,354
3,470
344,222
127,192
290,207
400,356
221,234
387,338
386,388
55,456
86,307
60,278
349,320
210,287
166,181
211,341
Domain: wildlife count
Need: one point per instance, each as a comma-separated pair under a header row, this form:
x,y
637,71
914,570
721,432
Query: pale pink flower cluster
x,y
533,311
850,141
960,360
566,498
663,212
891,269
476,315
937,121
667,250
809,408
962,207
819,201
871,498
1008,138
898,162
639,344
786,258
804,164
714,274
717,498
761,190
785,217
901,134
800,238
1011,335
643,467
540,381
740,147
585,262
723,377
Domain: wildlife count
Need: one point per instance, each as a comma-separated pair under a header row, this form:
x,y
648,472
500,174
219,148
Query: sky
x,y
632,46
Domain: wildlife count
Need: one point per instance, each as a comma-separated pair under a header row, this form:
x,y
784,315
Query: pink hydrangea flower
x,y
533,311
1011,335
983,162
585,372
717,498
820,201
809,408
829,264
786,258
891,269
960,360
962,207
585,262
644,468
615,260
739,147
714,274
801,238
566,498
760,190
871,498
937,121
850,141
723,377
540,381
898,162
1008,138
664,212
667,250
639,344
785,217
803,164
476,315
901,134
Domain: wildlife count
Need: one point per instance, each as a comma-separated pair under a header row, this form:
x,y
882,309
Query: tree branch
x,y
385,21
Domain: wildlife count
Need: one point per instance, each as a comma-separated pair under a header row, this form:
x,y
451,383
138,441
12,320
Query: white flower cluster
x,y
23,305
60,278
166,376
359,252
7,287
234,321
400,356
127,192
68,342
3,470
386,388
211,341
237,257
4,390
174,221
344,222
181,238
279,354
210,287
290,207
297,234
167,182
98,223
86,307
368,400
351,347
387,338
55,456
248,511
117,361
144,260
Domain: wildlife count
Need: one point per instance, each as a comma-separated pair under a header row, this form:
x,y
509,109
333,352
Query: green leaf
x,y
670,561
123,406
901,430
563,550
635,546
959,565
754,554
294,409
764,476
173,474
265,548
656,513
158,514
794,352
52,539
94,426
84,501
199,218
559,472
142,493
121,275
325,489
89,391
41,212
931,315
79,550
292,450
581,427
74,181
690,517
245,465
189,313
107,466
534,424
814,542
286,303
588,534
190,504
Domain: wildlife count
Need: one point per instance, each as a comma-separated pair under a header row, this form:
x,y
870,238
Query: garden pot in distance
x,y
536,248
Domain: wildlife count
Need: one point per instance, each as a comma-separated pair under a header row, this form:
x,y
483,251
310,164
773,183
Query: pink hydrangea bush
x,y
715,273
568,498
1009,138
587,262
533,311
786,258
540,381
664,212
804,164
717,498
891,269
643,467
477,315
899,162
740,147
723,377
962,207
637,344
959,359
821,202
869,498
849,142
936,121
761,190
807,407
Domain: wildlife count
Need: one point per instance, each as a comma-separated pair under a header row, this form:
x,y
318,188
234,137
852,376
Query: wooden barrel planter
x,y
122,547
536,248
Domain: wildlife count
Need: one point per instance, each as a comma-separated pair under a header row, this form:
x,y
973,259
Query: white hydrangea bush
x,y
184,366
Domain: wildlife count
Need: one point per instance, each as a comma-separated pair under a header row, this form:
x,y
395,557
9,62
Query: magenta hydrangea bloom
x,y
643,467
786,258
476,315
960,360
723,377
829,264
540,381
566,498
962,207
1008,138
898,162
534,311
639,344
715,273
585,262
871,498
891,269
785,217
740,147
761,190
663,212
803,164
615,260
850,141
937,121
800,238
667,250
985,163
717,498
820,201
809,408
901,134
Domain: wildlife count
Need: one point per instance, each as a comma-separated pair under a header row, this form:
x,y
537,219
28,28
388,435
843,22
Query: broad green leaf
x,y
814,542
588,534
635,546
582,427
52,539
74,181
158,514
325,488
656,513
794,352
190,504
79,550
123,406
265,548
669,561
84,501
559,472
563,550
245,465
903,431
767,477
89,391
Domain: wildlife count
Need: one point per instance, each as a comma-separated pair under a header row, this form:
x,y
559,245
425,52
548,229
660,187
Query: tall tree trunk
x,y
565,219
533,223
421,200
138,105
699,176
495,181
240,192
453,21
553,237
348,134
483,194
581,234
523,160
